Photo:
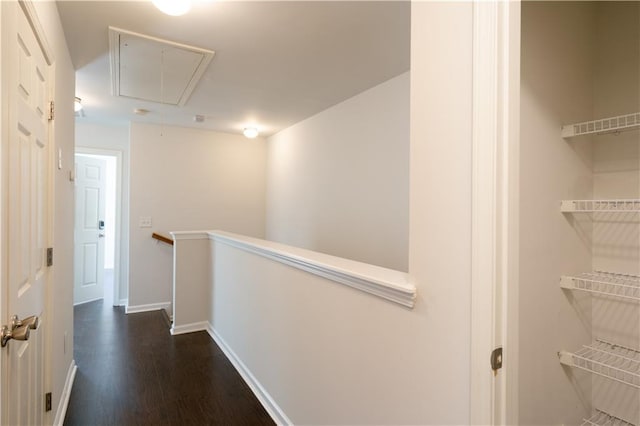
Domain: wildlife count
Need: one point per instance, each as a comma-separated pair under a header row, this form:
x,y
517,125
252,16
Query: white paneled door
x,y
91,185
26,184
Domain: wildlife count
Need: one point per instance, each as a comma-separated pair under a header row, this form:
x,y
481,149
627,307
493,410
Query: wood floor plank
x,y
131,371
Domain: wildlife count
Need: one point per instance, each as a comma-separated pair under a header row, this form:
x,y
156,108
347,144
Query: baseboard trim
x,y
165,316
61,412
265,399
146,308
123,302
87,301
189,328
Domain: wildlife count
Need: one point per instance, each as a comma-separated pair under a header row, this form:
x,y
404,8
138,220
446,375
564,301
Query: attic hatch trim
x,y
114,62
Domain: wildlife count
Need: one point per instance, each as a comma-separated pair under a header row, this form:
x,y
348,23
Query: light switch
x,y
145,222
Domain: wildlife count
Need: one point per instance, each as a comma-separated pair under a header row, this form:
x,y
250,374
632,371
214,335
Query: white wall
x,y
192,259
616,164
338,182
329,354
440,204
188,179
112,138
61,293
557,77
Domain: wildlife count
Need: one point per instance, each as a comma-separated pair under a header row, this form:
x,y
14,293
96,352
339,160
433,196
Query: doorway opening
x,y
97,226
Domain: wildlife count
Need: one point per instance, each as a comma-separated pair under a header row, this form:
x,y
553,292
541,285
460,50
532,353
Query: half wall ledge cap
x,y
190,235
395,286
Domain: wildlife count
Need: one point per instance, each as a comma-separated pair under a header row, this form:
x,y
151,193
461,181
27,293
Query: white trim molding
x,y
61,412
507,411
189,328
269,404
190,235
483,211
388,284
147,308
88,301
494,87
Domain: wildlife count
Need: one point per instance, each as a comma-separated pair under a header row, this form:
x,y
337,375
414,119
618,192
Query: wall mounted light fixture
x,y
77,104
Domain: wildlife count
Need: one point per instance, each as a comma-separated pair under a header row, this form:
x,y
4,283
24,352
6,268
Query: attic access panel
x,y
155,70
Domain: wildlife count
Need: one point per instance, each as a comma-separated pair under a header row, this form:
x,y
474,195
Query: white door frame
x,y
494,281
118,225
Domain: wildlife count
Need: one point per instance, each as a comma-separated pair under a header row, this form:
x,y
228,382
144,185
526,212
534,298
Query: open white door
x,y
26,157
91,182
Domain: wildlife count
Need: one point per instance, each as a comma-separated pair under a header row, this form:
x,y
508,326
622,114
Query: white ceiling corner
x,y
152,69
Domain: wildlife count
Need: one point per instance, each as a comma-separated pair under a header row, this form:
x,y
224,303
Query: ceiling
x,y
275,63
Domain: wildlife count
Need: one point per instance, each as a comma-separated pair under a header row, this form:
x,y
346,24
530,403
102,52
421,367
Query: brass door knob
x,y
20,333
32,322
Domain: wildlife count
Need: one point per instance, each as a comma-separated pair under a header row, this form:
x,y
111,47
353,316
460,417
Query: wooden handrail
x,y
162,238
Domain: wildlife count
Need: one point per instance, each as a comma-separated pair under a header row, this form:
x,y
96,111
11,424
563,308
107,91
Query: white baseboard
x,y
123,302
265,399
189,328
87,301
146,308
66,394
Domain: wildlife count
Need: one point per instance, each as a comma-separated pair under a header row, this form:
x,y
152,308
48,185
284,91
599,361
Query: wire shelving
x,y
608,360
603,126
603,206
604,283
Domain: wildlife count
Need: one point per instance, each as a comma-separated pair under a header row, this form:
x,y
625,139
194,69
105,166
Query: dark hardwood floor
x,y
131,371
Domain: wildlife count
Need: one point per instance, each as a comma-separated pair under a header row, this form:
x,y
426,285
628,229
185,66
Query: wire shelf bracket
x,y
600,418
608,360
604,283
603,126
600,206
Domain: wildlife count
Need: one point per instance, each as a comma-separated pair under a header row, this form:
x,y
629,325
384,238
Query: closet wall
x,y
616,237
580,61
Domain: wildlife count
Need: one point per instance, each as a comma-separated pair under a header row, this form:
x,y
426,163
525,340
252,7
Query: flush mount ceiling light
x,y
77,104
250,132
173,7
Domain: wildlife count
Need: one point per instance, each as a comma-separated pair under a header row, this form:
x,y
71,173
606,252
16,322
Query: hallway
x,y
131,371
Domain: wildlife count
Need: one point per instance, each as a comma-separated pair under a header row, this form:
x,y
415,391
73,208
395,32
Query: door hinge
x,y
50,256
496,360
47,401
51,111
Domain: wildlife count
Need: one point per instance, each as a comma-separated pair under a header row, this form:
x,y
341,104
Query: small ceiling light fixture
x,y
77,104
250,132
141,111
173,7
